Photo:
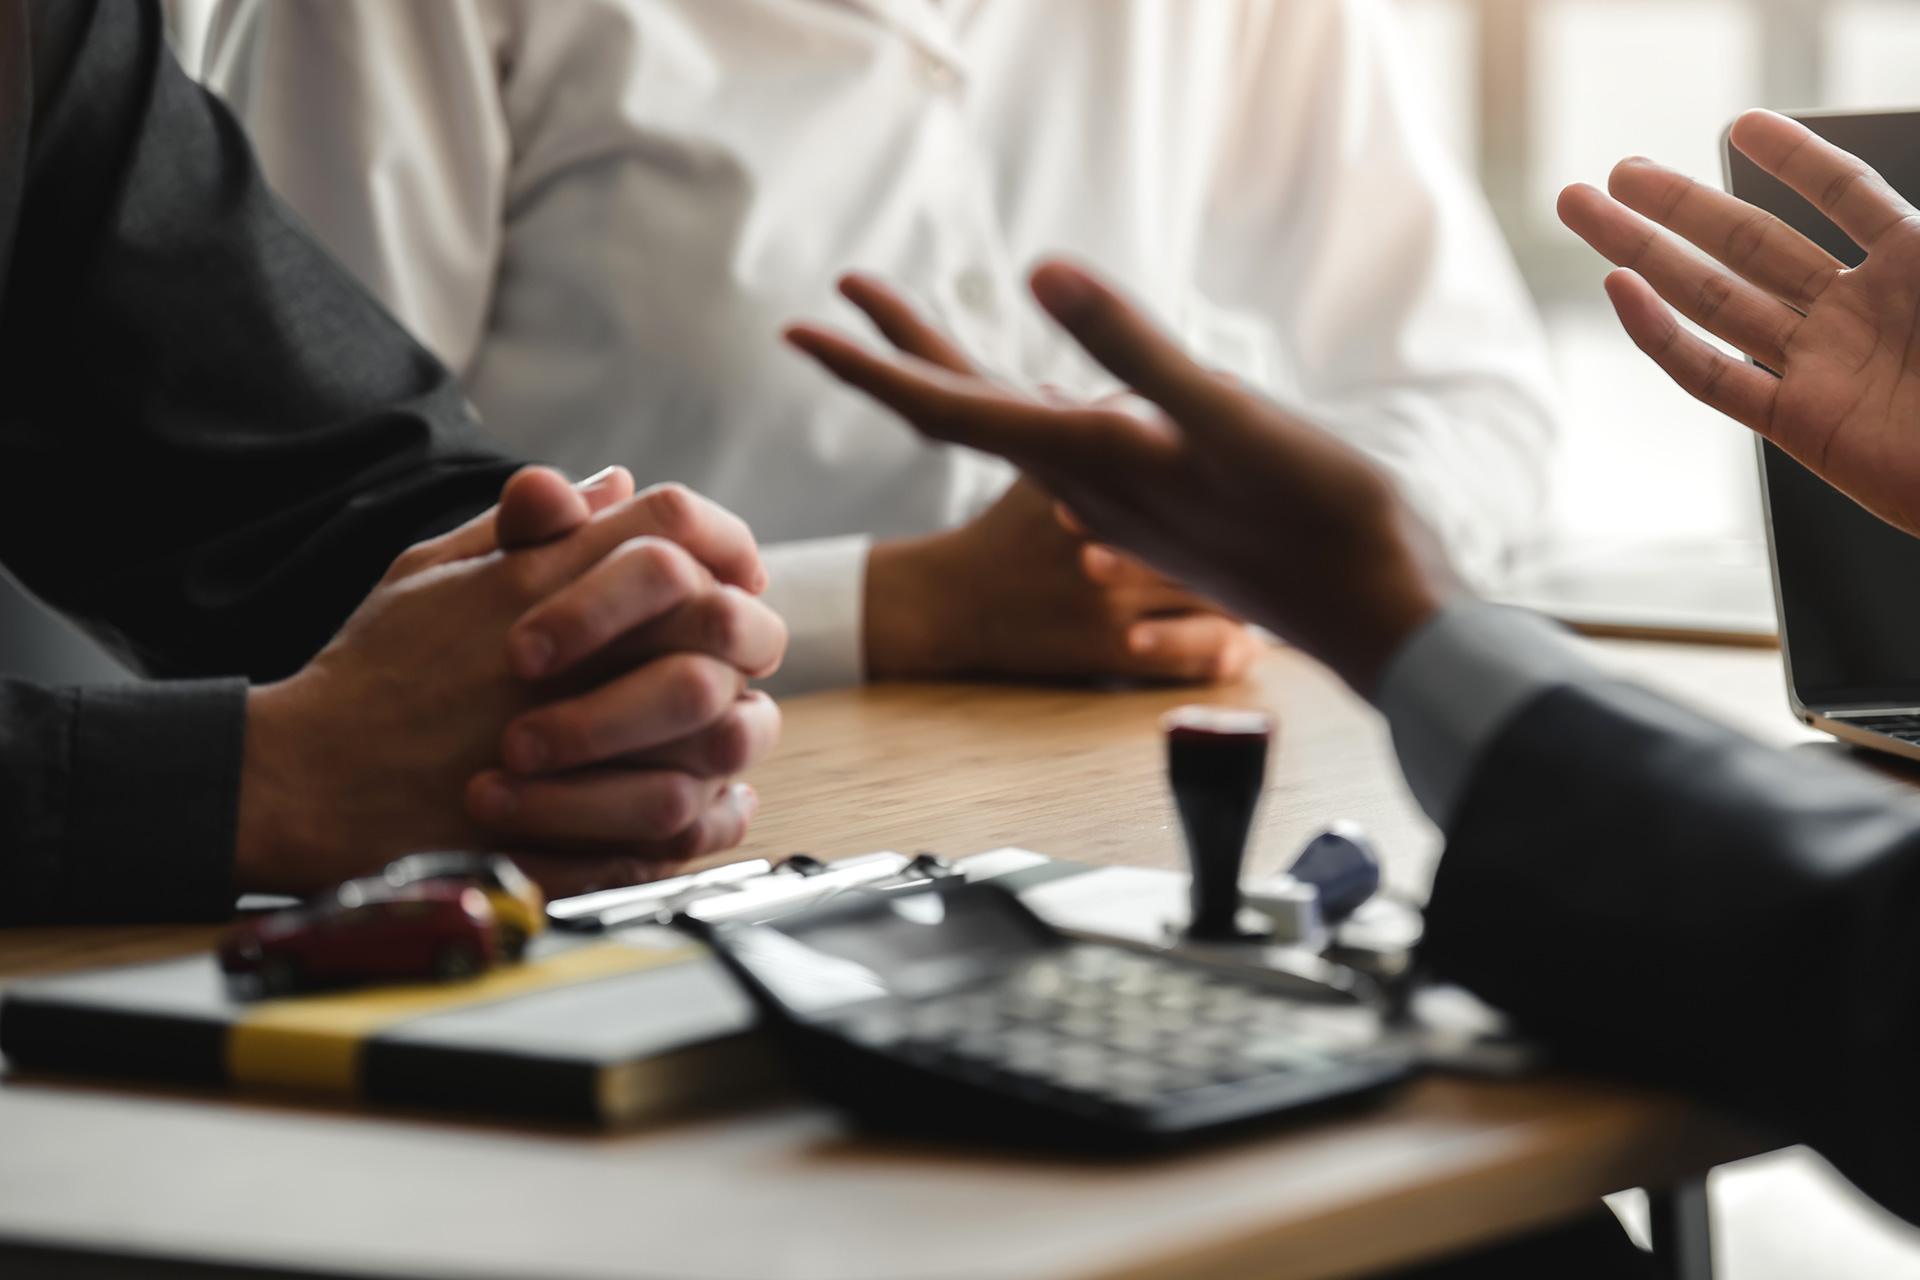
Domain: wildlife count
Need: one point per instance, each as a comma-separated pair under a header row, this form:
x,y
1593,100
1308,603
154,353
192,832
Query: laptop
x,y
1846,584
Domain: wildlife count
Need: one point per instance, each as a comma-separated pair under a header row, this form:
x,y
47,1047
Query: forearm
x,y
117,803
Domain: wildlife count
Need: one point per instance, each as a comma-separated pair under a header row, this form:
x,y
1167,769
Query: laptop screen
x,y
1848,582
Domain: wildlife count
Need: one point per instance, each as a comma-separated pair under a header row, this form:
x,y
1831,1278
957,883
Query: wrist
x,y
905,624
277,828
1395,623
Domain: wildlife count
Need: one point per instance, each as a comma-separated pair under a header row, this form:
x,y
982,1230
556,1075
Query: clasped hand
x,y
563,677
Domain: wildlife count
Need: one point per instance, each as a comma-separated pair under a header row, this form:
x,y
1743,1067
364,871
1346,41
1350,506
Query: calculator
x,y
949,1008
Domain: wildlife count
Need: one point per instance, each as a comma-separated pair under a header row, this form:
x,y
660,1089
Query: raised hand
x,y
1019,591
1209,483
1844,343
577,698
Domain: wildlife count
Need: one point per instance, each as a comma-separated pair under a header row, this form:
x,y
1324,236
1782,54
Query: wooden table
x,y
784,1193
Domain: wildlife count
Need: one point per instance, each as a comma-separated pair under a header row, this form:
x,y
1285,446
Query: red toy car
x,y
367,930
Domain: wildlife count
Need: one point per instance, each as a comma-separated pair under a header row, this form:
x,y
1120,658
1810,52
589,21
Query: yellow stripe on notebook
x,y
313,1042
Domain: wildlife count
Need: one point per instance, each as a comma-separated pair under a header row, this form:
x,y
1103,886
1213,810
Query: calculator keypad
x,y
1124,1027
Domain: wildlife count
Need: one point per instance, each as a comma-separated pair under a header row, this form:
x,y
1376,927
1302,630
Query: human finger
x,y
1195,646
537,504
1739,390
725,623
1706,293
1069,520
1840,185
1109,567
721,826
713,535
900,323
746,733
976,413
635,583
563,875
534,500
655,704
1752,241
1136,586
609,808
1132,348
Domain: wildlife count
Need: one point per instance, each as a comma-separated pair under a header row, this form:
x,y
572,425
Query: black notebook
x,y
610,1029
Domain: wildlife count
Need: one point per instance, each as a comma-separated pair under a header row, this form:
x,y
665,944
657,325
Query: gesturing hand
x,y
564,679
1845,343
1017,591
1218,487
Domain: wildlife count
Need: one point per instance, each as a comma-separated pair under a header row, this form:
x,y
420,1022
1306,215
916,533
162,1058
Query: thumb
x,y
537,504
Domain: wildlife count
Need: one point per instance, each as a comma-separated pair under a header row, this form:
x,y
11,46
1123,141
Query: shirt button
x,y
974,288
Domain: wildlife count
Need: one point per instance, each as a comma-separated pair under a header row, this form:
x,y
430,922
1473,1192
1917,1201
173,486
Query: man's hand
x,y
1017,590
578,696
1218,487
1846,401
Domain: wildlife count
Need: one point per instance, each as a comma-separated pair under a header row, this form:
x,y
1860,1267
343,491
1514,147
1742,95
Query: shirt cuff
x,y
819,587
1452,688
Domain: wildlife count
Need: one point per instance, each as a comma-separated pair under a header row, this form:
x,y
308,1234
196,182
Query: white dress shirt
x,y
601,212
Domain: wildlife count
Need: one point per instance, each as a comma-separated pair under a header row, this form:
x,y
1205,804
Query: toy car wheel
x,y
513,942
456,962
279,975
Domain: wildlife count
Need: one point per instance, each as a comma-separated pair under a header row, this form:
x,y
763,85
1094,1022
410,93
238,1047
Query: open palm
x,y
1842,344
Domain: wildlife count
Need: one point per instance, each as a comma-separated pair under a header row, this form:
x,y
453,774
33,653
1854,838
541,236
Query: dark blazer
x,y
212,443
1661,898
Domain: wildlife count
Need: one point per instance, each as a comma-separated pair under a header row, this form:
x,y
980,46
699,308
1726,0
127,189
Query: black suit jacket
x,y
1664,899
212,443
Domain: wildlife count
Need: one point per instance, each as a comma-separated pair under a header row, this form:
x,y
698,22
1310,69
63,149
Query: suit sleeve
x,y
212,444
117,802
1661,898
212,441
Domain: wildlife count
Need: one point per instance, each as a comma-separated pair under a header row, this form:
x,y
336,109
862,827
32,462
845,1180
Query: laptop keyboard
x,y
1900,728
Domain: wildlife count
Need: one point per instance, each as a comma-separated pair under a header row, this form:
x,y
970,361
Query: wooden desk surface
x,y
783,1193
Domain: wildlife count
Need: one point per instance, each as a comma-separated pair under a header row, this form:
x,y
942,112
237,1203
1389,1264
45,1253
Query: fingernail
x,y
526,751
597,479
1098,562
494,801
532,654
1061,290
746,799
1142,640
